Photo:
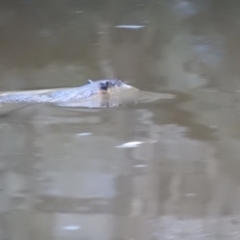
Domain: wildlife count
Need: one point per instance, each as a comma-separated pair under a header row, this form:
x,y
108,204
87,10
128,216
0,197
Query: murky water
x,y
168,169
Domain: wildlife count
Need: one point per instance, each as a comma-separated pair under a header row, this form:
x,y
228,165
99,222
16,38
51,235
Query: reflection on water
x,y
167,169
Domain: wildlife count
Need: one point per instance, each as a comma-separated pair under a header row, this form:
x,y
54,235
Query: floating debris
x,y
72,228
84,134
129,145
130,26
140,166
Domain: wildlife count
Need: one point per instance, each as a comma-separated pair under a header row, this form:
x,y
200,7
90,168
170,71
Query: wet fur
x,y
63,95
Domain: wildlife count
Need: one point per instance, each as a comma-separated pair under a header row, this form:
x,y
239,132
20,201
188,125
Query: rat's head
x,y
113,85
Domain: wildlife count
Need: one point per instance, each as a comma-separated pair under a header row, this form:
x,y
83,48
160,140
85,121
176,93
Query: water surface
x,y
167,169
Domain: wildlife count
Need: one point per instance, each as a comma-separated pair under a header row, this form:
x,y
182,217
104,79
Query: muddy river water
x,y
147,170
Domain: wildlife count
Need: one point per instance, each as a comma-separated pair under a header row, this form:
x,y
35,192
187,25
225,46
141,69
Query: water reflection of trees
x,y
38,33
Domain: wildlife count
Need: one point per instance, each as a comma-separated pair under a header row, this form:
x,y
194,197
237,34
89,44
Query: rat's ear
x,y
90,81
104,85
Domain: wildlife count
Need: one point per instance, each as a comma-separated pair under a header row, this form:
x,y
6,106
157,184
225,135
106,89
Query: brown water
x,y
168,169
